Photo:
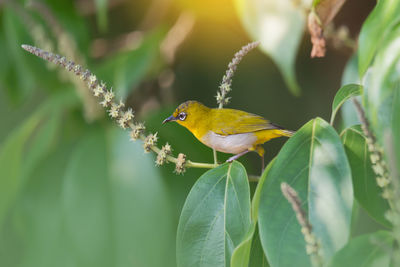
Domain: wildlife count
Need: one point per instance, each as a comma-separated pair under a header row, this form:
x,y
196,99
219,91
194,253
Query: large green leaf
x,y
378,24
215,217
86,202
113,200
369,250
345,93
144,225
241,254
11,162
97,201
396,130
18,157
314,163
40,215
366,190
382,91
279,26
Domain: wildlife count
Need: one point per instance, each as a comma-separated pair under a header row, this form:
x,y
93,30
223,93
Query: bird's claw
x,y
230,160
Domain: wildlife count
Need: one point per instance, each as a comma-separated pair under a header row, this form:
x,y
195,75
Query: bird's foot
x,y
230,159
234,157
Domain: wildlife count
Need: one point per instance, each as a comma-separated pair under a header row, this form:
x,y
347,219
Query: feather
x,y
231,121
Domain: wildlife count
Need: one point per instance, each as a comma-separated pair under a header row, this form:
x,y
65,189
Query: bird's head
x,y
188,113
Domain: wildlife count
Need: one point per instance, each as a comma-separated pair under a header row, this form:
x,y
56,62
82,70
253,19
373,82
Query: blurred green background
x,y
74,191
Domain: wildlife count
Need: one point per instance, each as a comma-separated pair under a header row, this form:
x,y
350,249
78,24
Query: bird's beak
x,y
170,118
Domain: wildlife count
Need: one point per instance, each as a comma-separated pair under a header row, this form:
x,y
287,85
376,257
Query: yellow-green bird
x,y
227,130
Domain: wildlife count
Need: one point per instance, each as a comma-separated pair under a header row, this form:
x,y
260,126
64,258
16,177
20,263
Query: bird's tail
x,y
287,133
282,131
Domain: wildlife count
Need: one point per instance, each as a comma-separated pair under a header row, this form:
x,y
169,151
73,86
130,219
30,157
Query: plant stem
x,y
215,156
254,178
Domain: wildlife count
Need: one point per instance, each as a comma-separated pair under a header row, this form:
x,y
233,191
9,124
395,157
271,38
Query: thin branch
x,y
124,117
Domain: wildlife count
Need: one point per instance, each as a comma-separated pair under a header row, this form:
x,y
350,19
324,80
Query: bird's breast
x,y
234,143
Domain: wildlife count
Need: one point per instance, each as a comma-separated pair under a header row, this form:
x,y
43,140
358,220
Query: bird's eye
x,y
182,116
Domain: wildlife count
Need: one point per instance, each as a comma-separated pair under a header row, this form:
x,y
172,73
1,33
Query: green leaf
x,y
314,163
366,190
279,26
95,201
257,255
113,198
144,224
381,94
18,157
215,217
40,215
22,79
257,194
241,254
348,111
369,250
42,141
395,132
345,93
86,201
11,163
379,23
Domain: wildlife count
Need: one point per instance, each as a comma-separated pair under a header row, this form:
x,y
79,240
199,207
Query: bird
x,y
227,130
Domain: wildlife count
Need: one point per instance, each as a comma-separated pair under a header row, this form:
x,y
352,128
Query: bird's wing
x,y
230,121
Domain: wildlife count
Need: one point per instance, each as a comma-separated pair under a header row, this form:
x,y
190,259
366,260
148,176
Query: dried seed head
x,y
387,193
378,169
225,87
71,65
93,82
167,148
108,98
374,158
219,97
312,246
115,109
226,83
162,156
317,36
78,70
56,59
85,75
63,62
150,141
137,130
99,90
382,181
226,100
180,164
125,118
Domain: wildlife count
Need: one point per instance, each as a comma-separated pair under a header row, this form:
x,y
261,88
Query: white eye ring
x,y
182,116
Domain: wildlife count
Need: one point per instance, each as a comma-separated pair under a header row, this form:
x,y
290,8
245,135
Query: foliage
x,y
74,191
